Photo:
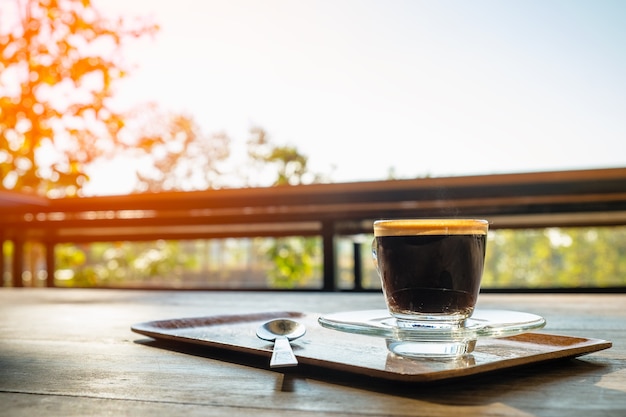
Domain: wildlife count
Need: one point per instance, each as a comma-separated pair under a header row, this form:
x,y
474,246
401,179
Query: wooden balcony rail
x,y
528,200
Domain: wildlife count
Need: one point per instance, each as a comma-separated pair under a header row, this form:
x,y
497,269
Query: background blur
x,y
114,97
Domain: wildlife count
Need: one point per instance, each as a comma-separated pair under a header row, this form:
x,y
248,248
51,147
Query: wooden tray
x,y
367,355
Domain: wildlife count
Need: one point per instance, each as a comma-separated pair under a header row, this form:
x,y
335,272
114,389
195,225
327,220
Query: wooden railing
x,y
528,200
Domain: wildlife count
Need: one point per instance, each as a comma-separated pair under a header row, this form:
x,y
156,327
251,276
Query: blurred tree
x,y
121,263
173,153
556,258
285,163
294,258
58,62
294,261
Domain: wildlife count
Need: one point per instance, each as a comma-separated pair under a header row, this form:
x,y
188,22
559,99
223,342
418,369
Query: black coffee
x,y
431,273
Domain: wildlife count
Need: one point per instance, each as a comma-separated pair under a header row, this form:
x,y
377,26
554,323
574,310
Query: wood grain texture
x,y
71,352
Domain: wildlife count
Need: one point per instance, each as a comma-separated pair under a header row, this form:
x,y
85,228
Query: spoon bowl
x,y
281,331
288,328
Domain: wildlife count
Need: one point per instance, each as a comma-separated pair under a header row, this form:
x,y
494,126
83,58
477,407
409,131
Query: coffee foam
x,y
412,227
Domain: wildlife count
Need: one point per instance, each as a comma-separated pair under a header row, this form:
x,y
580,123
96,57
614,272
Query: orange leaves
x,y
59,64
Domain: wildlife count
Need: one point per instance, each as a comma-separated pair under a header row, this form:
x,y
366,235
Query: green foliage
x,y
550,258
294,261
121,264
555,257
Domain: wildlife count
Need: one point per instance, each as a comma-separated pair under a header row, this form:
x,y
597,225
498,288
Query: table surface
x,y
71,352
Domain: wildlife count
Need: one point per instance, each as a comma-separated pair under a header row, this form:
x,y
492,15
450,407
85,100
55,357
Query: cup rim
x,y
421,226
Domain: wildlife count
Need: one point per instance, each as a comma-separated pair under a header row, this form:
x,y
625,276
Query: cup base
x,y
434,346
430,322
437,349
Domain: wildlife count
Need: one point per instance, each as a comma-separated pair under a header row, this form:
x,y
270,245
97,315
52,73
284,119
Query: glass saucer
x,y
433,342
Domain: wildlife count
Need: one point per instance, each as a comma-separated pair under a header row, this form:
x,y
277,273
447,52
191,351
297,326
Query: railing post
x,y
358,268
50,264
328,251
2,260
18,263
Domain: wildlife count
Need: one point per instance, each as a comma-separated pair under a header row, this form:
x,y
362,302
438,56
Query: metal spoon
x,y
281,331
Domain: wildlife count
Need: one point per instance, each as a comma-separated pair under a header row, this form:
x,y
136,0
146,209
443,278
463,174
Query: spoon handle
x,y
282,356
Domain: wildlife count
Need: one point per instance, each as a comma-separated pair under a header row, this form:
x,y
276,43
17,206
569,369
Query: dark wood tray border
x,y
160,329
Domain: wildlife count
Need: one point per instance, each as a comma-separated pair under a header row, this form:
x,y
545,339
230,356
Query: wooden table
x,y
71,352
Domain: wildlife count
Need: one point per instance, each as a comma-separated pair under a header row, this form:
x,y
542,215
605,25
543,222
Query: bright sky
x,y
424,87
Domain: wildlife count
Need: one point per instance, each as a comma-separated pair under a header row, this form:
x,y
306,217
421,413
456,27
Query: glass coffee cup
x,y
430,269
